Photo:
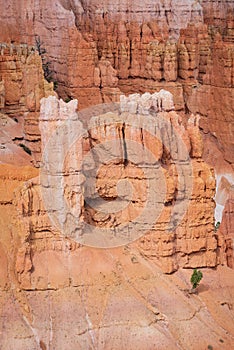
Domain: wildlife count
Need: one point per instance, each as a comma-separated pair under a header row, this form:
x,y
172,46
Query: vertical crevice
x,y
142,137
124,146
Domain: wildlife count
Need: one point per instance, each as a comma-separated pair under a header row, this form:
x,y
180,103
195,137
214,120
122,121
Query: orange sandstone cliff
x,y
105,210
98,50
95,50
113,296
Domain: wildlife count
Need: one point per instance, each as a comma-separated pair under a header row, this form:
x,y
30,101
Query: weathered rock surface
x,y
144,149
124,292
116,297
226,229
97,50
115,302
22,87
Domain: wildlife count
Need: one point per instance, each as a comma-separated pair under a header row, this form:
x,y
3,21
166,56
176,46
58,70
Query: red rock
x,y
117,297
23,86
191,243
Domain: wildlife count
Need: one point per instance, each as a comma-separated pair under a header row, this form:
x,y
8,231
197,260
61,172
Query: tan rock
x,y
22,87
97,52
128,176
225,233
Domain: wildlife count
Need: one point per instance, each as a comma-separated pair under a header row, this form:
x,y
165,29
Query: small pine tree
x,y
217,226
196,278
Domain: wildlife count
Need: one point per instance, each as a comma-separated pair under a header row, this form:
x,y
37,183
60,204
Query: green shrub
x,y
68,99
217,226
196,278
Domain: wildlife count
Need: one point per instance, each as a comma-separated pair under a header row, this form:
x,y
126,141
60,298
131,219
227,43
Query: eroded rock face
x,y
225,231
100,49
89,283
85,283
22,85
136,174
97,52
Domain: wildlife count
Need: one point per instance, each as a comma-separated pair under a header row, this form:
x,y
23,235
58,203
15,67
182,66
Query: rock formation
x,y
118,290
145,150
225,231
22,87
98,244
100,50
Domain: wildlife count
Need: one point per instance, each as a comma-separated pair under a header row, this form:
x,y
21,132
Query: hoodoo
x,y
116,174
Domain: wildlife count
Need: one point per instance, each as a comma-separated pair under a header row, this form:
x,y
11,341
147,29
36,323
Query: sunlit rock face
x,y
131,184
99,50
134,175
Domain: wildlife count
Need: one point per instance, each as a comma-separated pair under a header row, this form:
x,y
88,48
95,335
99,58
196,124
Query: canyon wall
x,y
141,157
136,175
133,175
99,50
22,87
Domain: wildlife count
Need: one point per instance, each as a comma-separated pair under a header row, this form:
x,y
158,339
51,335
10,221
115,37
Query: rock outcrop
x,y
136,174
120,290
100,49
226,229
22,86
